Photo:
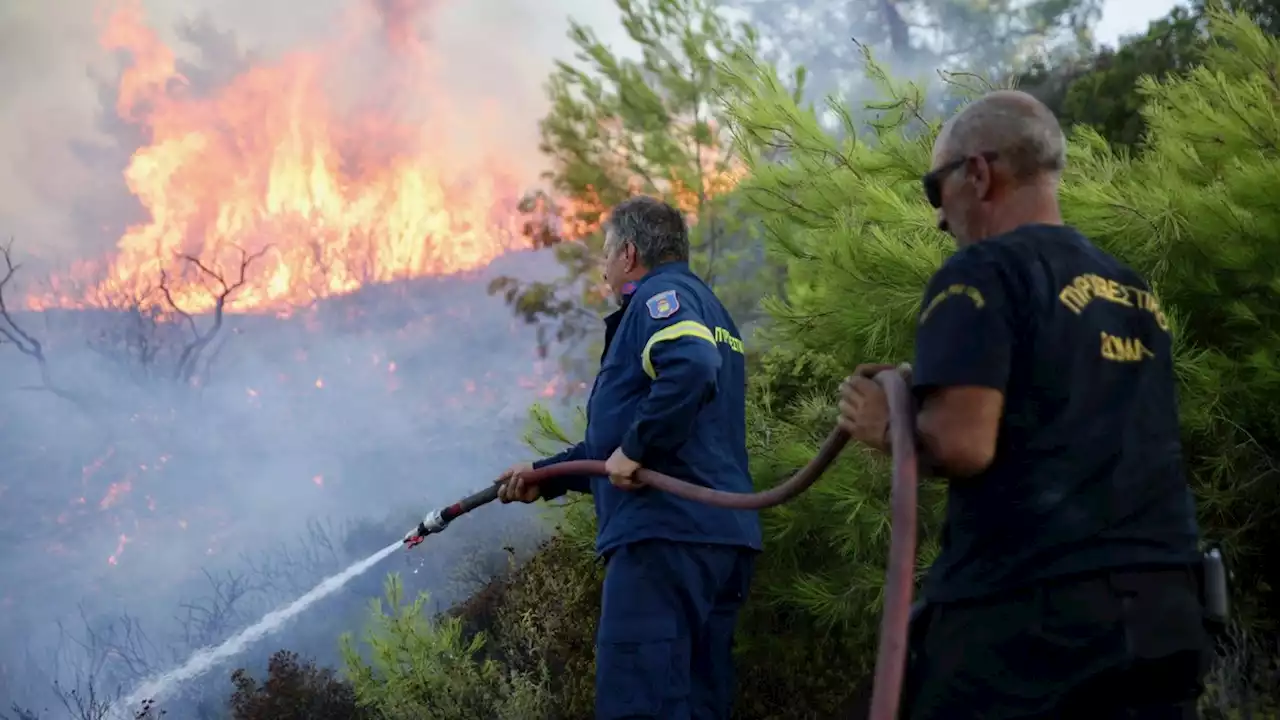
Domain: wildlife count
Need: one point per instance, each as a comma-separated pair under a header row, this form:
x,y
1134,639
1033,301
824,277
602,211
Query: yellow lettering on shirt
x,y
1124,349
1084,289
726,337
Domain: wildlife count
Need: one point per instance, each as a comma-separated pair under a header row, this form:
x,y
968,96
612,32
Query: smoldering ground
x,y
161,485
145,519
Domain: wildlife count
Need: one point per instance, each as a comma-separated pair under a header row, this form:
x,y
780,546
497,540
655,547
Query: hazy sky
x,y
1126,17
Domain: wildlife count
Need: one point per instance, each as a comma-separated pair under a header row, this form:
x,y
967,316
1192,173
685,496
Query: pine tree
x,y
1190,211
845,214
1194,213
419,668
915,36
619,127
1101,90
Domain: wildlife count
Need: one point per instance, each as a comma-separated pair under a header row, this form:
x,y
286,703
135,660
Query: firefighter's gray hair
x,y
657,229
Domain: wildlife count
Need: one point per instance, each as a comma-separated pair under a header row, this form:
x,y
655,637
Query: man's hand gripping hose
x,y
892,655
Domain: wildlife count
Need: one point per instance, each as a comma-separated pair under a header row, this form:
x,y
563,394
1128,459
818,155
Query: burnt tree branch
x,y
139,339
211,619
188,360
10,331
27,344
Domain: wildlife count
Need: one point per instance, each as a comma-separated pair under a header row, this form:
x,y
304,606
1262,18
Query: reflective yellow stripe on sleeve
x,y
685,328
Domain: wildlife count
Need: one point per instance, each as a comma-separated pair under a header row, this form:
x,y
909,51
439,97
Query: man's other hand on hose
x,y
514,487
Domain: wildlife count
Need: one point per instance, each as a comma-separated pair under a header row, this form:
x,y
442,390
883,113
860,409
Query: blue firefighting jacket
x,y
671,393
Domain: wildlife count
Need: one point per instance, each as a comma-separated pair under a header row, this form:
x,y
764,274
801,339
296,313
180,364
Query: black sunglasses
x,y
932,180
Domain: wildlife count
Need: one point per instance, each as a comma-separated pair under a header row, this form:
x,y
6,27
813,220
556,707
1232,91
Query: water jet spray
x,y
205,659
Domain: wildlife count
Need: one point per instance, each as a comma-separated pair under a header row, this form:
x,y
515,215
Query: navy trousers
x,y
1117,644
665,645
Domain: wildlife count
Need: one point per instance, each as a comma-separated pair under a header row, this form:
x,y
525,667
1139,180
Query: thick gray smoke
x,y
145,510
190,511
314,440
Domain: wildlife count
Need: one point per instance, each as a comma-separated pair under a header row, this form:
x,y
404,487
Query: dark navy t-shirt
x,y
1088,472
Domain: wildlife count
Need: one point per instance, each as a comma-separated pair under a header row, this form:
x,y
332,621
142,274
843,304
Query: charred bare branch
x,y
10,331
210,619
141,337
213,357
288,570
122,643
20,713
86,704
86,679
173,305
145,322
188,361
84,696
26,343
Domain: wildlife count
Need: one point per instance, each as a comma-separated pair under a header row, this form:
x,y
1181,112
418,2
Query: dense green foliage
x,y
858,241
1189,211
620,126
1188,201
421,668
1101,90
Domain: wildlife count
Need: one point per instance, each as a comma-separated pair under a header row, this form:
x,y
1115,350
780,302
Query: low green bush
x,y
409,667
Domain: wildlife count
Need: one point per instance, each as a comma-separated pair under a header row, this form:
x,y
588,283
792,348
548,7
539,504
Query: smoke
x,y
146,510
310,442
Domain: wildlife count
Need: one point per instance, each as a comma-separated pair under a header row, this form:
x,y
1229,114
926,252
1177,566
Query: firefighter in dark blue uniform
x,y
1067,584
670,396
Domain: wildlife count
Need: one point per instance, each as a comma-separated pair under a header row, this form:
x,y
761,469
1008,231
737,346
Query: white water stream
x,y
205,659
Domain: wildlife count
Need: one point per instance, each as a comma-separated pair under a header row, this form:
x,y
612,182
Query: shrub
x,y
546,619
420,669
1245,682
294,690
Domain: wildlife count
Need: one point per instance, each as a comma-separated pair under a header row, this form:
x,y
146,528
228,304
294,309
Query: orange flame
x,y
114,559
114,493
271,168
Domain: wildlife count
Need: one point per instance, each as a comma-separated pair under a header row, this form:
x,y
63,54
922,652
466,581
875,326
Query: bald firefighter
x,y
1068,583
670,396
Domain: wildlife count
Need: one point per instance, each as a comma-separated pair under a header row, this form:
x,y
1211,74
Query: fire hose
x,y
899,577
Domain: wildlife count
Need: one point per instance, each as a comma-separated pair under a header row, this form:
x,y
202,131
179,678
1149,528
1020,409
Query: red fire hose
x,y
892,655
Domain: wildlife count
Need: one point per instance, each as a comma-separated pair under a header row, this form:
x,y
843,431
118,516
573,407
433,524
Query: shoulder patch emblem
x,y
663,305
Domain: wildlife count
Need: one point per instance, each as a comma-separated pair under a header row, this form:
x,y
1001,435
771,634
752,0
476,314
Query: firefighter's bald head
x,y
996,158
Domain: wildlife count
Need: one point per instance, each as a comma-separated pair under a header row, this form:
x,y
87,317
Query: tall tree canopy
x,y
917,36
1101,89
621,126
